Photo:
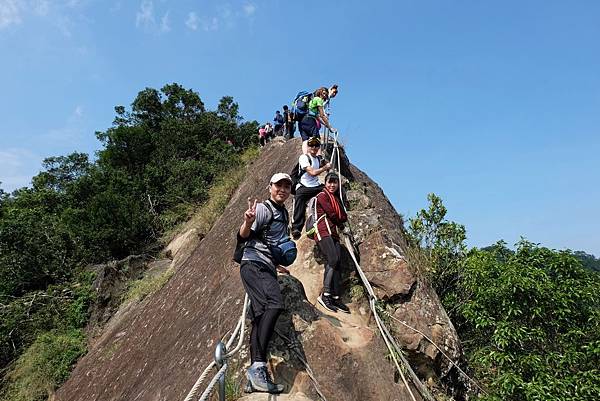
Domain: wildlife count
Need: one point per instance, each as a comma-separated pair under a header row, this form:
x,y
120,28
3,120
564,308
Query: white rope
x,y
213,382
441,351
239,330
387,343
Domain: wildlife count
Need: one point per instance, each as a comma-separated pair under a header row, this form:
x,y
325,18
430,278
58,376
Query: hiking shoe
x,y
296,235
327,302
337,302
260,380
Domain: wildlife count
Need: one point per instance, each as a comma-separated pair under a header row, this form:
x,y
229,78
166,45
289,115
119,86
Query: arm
x,y
249,217
324,119
316,171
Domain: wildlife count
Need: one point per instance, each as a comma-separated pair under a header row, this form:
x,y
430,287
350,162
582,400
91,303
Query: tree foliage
x,y
529,318
157,162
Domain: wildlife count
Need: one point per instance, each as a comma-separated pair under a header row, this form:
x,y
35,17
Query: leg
x,y
328,247
265,331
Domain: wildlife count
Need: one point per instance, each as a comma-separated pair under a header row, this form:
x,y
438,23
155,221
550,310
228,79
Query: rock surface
x,y
158,348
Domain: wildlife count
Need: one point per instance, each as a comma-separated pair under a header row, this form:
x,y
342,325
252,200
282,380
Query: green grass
x,y
44,366
141,288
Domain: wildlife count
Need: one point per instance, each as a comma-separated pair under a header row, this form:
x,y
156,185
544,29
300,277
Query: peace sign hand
x,y
250,214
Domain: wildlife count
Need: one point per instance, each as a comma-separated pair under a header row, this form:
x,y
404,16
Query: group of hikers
x,y
312,106
265,244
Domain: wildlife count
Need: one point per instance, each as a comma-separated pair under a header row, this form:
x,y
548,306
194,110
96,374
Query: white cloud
x,y
41,7
249,9
145,16
17,168
192,21
210,24
71,132
165,23
10,13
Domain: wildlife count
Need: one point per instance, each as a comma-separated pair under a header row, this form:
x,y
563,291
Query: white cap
x,y
280,177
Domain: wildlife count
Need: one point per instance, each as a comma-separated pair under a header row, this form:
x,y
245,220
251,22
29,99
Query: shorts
x,y
262,287
309,127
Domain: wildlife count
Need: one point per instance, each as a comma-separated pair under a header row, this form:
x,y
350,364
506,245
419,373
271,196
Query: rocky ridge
x,y
156,349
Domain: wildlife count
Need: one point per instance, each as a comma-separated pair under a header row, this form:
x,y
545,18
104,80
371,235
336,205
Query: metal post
x,y
220,352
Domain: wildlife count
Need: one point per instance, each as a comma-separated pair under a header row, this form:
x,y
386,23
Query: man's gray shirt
x,y
256,249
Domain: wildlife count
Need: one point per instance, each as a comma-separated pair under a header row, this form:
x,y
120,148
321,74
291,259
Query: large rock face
x,y
157,349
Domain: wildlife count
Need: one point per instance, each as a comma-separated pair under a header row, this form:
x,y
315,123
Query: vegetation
x,y
159,161
529,318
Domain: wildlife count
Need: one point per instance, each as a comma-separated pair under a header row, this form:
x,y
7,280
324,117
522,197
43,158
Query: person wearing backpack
x,y
330,215
308,186
311,122
264,233
279,122
289,123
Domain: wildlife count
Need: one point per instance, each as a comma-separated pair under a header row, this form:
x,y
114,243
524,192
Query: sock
x,y
326,294
257,365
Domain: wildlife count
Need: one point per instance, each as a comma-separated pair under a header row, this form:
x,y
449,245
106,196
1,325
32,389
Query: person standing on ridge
x,y
289,123
309,185
264,224
311,122
330,215
279,122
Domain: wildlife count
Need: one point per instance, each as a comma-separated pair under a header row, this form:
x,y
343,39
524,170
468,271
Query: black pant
x,y
289,130
332,278
303,195
261,333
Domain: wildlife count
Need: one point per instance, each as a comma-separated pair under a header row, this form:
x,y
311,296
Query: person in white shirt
x,y
309,185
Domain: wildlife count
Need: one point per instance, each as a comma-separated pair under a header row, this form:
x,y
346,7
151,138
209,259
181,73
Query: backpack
x,y
300,105
312,220
279,120
297,172
284,252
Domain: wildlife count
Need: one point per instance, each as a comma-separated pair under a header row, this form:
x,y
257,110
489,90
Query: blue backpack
x,y
300,105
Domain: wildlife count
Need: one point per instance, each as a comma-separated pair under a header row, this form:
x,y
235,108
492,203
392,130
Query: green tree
x,y
531,321
442,242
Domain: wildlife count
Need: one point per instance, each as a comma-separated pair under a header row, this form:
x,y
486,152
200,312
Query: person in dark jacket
x,y
330,216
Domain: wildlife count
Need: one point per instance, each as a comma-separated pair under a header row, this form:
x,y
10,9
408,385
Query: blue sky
x,y
494,107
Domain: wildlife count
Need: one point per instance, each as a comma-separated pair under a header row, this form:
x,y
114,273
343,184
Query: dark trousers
x,y
289,130
303,195
261,333
332,278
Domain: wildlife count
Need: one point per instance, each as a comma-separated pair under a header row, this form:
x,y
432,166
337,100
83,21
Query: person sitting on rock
x,y
264,224
309,185
330,215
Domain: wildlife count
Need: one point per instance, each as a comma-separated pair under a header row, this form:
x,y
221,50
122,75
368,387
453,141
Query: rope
x,y
385,334
239,329
441,351
213,382
294,347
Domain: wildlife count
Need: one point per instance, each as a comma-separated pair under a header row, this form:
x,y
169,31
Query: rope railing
x,y
237,332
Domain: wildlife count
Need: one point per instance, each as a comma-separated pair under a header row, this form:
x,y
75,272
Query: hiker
x,y
289,123
262,136
333,91
311,122
269,132
330,215
265,224
309,185
279,122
